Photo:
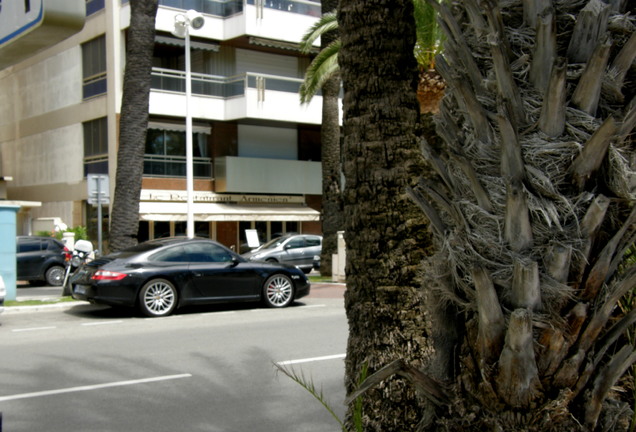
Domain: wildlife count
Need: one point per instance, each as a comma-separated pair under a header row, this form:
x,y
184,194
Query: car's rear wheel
x,y
278,291
54,275
158,297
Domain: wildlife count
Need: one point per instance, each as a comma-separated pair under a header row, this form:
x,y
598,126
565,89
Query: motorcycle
x,y
82,254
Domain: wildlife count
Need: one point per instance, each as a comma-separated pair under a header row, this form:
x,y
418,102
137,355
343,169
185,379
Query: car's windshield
x,y
273,243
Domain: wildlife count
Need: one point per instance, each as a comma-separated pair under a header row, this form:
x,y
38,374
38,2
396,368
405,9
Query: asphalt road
x,y
92,368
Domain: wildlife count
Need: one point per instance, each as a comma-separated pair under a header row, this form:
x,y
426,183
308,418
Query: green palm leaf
x,y
323,67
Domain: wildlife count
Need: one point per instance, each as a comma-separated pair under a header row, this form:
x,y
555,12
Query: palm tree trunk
x,y
332,213
133,124
533,227
383,230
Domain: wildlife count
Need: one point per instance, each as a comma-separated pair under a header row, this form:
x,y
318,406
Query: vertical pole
x,y
189,167
99,213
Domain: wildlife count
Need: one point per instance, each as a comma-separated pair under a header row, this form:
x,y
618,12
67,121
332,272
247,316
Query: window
x,y
206,252
295,243
312,241
165,154
93,6
28,245
96,146
173,254
94,67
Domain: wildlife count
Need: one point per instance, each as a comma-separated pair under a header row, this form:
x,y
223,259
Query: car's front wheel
x,y
157,298
54,275
278,291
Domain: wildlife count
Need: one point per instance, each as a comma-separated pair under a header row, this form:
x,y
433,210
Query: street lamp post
x,y
182,24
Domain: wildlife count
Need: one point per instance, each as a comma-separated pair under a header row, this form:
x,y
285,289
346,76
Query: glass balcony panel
x,y
175,166
211,7
304,7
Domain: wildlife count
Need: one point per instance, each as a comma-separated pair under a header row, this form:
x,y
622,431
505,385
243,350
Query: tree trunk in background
x,y
532,211
133,124
383,229
332,213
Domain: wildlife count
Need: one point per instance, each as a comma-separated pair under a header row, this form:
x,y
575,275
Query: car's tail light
x,y
108,275
67,254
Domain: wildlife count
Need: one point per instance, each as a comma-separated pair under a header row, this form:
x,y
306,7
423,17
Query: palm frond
x,y
323,67
328,22
428,32
309,385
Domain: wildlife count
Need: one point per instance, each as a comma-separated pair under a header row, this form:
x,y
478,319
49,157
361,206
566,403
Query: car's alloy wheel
x,y
158,297
54,276
278,291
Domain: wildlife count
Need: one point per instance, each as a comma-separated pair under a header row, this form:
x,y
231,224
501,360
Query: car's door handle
x,y
197,274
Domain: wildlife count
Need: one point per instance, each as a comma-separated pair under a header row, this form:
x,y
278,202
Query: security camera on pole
x,y
182,24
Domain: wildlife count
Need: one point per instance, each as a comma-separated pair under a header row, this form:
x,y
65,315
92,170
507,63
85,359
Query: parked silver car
x,y
297,249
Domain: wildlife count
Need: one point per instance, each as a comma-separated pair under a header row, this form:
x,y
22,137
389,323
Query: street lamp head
x,y
180,24
195,18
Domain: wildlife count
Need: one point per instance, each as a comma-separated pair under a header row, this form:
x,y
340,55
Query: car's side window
x,y
295,243
313,241
29,246
206,252
219,254
173,254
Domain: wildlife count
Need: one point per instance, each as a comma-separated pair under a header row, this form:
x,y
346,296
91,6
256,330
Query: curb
x,y
8,310
68,305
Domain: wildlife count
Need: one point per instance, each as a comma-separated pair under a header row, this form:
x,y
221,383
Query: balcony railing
x,y
208,85
175,166
304,7
223,87
212,7
231,7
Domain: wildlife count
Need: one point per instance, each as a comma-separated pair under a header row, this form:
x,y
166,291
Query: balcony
x,y
253,96
175,166
270,21
256,175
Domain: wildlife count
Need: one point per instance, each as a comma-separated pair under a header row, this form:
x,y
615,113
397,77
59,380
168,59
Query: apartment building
x,y
256,148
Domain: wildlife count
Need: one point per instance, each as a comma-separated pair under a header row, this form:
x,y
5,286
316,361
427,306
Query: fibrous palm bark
x,y
383,228
532,211
133,124
332,212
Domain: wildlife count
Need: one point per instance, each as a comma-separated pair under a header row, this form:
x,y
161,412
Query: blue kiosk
x,y
8,216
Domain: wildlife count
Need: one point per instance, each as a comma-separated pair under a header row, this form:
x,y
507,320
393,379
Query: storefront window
x,y
291,227
162,229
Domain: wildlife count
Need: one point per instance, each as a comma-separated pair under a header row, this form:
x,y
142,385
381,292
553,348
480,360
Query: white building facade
x,y
256,148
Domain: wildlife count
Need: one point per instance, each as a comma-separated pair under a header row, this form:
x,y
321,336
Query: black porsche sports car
x,y
161,275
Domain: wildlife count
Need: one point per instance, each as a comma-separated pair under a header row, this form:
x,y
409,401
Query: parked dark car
x,y
3,294
41,260
161,275
298,250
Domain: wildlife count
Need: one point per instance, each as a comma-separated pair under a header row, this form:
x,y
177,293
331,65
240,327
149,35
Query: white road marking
x,y
92,387
32,329
312,359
